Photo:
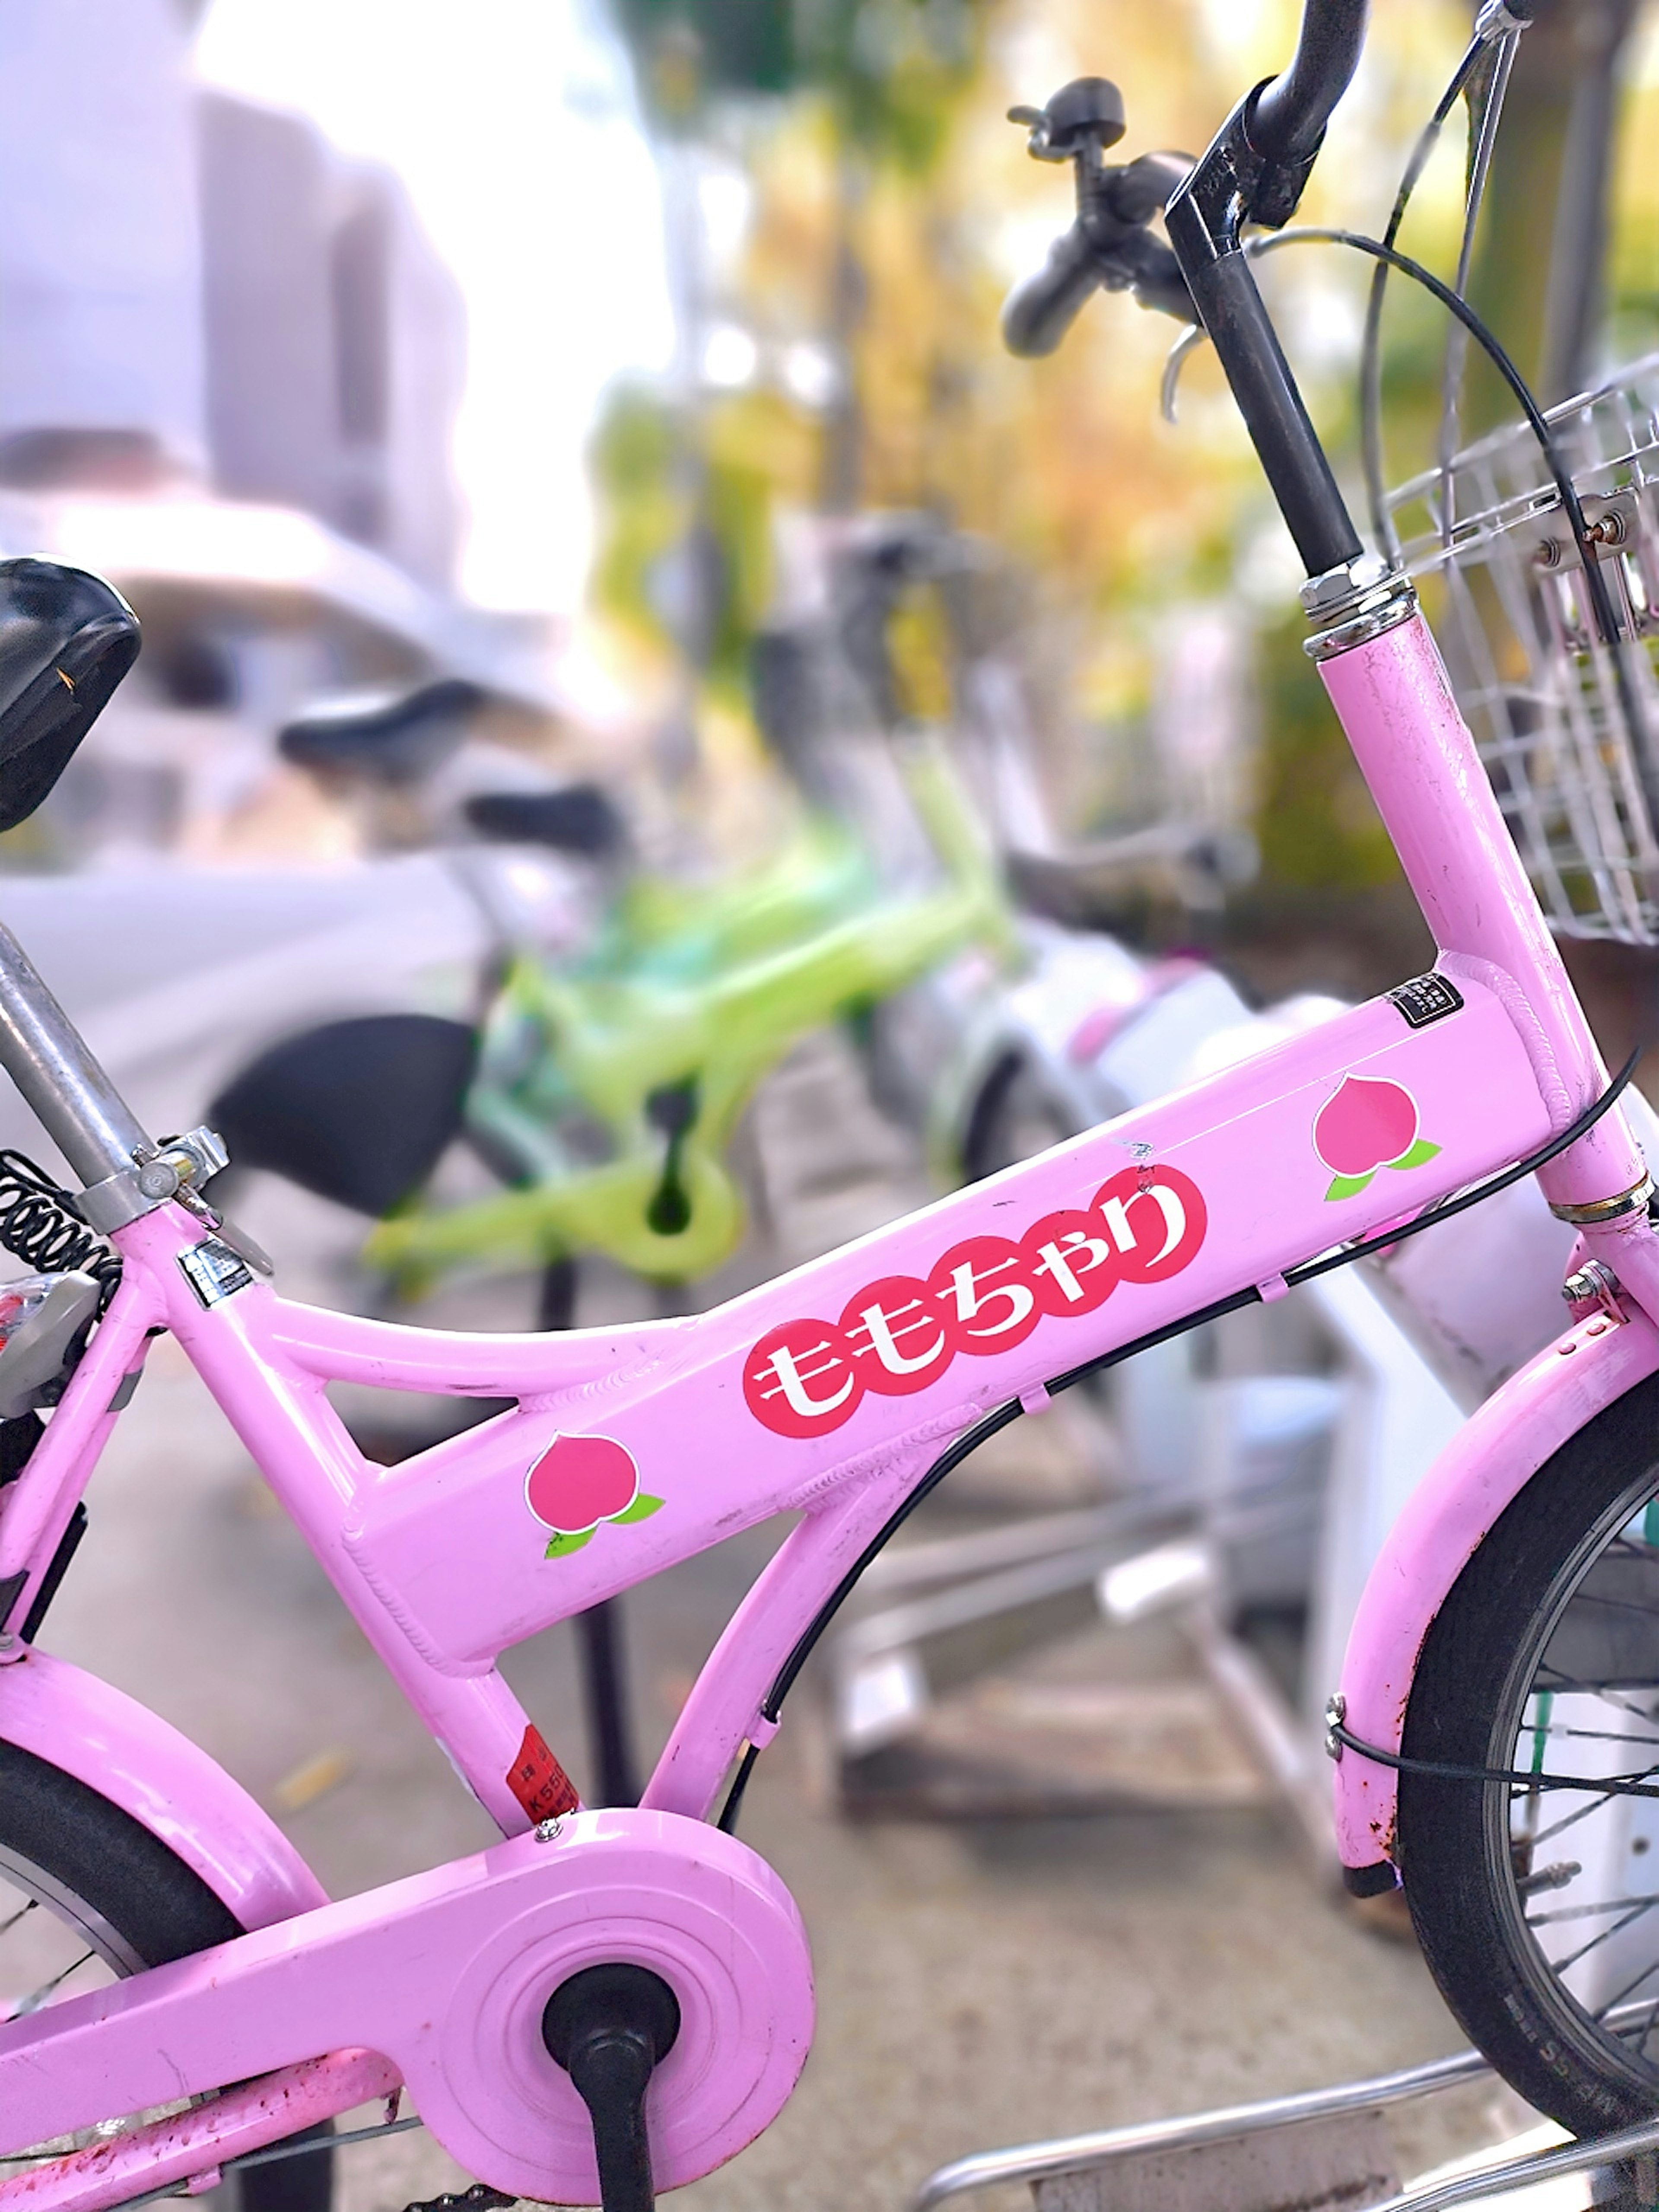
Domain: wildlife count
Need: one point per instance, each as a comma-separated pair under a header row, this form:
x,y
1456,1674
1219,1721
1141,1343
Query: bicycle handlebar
x,y
1253,172
1288,116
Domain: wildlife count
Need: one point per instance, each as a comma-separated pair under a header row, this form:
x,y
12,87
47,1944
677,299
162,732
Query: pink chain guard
x,y
447,1974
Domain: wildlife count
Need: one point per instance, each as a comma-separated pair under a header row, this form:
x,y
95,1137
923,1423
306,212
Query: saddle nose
x,y
66,639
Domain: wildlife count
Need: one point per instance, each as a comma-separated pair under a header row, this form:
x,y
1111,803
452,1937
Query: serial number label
x,y
213,1271
1426,999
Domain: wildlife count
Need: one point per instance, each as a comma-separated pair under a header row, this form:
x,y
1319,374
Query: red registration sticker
x,y
539,1782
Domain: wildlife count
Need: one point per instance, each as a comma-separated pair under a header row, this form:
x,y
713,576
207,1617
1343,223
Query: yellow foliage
x,y
1066,462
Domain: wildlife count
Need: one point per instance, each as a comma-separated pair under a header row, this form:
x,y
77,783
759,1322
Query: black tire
x,y
112,1885
1011,1119
1559,1605
556,1292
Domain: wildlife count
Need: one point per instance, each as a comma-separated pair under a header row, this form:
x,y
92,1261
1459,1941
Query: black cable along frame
x,y
1002,1416
1387,256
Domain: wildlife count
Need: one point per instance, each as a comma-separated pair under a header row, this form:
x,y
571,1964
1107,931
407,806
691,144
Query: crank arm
x,y
446,1975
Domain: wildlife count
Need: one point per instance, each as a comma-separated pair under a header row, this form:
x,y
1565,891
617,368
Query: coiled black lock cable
x,y
38,1226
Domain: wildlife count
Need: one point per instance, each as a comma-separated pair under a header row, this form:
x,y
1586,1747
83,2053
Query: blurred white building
x,y
230,364
101,269
192,286
334,339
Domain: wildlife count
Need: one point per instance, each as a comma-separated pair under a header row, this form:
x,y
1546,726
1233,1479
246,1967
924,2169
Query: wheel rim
x,y
1577,1872
54,1945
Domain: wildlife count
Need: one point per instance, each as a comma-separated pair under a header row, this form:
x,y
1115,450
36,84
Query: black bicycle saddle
x,y
391,737
579,819
66,641
359,1111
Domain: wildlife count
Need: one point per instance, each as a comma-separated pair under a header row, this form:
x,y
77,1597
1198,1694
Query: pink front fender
x,y
1490,1461
128,1754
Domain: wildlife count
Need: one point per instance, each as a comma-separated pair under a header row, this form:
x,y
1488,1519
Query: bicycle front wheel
x,y
86,1896
1537,1907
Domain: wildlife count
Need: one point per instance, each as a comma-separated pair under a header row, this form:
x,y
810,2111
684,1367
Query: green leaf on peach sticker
x,y
561,1547
1347,1186
642,1510
1419,1155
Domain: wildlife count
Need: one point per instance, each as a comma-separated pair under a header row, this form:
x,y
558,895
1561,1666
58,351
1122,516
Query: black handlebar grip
x,y
1041,309
1144,187
1289,118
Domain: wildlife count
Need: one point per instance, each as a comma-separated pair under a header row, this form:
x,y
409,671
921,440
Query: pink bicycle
x,y
612,2000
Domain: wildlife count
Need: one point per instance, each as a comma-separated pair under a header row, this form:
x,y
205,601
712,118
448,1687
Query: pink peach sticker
x,y
579,1482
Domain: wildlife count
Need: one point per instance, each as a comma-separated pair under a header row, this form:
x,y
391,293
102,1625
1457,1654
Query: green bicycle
x,y
606,1095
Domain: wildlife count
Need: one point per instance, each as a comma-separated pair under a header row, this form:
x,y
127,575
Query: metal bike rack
x,y
1221,1731
1325,2150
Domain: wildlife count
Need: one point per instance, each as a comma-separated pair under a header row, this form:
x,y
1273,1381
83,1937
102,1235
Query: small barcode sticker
x,y
1426,999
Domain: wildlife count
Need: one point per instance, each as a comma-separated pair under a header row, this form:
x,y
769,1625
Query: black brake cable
x,y
1370,355
1387,256
1504,32
1484,126
1508,34
1001,1416
1308,234
1384,1237
1606,1785
1596,584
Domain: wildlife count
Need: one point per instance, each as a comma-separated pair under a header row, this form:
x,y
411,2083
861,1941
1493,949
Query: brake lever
x,y
1145,267
1108,246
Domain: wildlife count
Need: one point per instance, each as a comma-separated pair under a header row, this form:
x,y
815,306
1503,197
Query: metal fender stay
x,y
1485,1467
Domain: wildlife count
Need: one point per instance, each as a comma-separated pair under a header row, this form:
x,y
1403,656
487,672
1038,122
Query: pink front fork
x,y
1420,761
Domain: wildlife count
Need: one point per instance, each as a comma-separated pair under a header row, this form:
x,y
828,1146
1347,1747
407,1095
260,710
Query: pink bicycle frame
x,y
827,1394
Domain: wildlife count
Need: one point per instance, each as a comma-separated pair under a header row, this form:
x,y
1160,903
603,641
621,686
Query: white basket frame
x,y
1539,689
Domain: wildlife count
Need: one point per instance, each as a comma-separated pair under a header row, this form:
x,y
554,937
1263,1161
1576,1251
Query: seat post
x,y
71,1096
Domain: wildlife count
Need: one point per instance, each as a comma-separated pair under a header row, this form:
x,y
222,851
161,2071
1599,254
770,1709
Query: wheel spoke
x,y
34,2002
1616,1604
1600,1800
1543,1663
1593,1735
1613,2003
1589,1911
1565,1966
71,1890
32,1904
1561,1683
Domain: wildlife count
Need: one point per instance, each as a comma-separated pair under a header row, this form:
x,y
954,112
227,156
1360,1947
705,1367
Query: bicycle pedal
x,y
480,2197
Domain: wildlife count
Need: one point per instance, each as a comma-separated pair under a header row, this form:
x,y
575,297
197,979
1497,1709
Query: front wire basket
x,y
1538,686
